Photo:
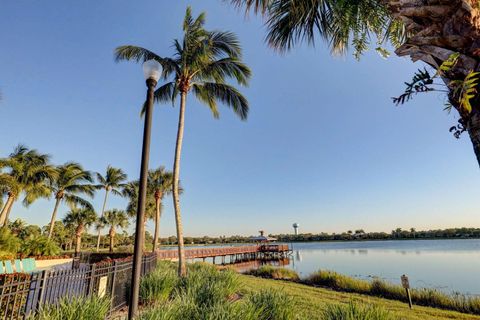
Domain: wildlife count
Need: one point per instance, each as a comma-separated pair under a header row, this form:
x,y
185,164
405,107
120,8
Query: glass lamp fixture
x,y
152,70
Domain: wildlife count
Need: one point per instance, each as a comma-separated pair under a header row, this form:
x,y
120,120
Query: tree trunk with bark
x,y
6,210
158,204
99,236
111,234
438,28
54,215
78,239
182,268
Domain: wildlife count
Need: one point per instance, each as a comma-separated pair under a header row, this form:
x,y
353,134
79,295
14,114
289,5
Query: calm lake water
x,y
447,265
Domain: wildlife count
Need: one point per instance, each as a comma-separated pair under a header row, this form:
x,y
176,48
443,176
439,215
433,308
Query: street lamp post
x,y
151,69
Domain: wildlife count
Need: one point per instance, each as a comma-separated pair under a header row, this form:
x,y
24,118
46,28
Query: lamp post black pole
x,y
142,195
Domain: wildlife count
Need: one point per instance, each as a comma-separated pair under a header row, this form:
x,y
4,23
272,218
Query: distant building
x,y
263,238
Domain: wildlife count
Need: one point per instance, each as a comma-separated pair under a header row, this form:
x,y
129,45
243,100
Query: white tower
x,y
295,228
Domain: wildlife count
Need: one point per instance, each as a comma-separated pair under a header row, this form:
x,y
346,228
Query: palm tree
x,y
114,218
160,183
80,219
71,182
430,37
202,63
113,181
130,191
25,172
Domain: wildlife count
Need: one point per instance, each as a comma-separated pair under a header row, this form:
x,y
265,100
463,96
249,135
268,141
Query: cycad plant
x,y
114,219
79,219
71,182
24,172
202,63
113,181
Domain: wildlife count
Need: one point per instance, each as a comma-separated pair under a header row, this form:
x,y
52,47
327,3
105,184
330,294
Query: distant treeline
x,y
452,233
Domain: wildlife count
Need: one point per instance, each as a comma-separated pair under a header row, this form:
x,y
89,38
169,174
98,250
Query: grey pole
x,y
142,195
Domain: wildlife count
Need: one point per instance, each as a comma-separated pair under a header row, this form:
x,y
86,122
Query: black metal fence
x,y
22,294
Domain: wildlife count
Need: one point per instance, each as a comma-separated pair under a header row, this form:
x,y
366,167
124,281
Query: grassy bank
x,y
312,301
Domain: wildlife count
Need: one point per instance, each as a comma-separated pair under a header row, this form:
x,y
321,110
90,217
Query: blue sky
x,y
323,145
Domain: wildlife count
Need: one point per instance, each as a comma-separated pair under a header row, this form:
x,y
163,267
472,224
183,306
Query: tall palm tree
x,y
80,219
202,63
115,219
113,181
71,182
419,29
160,183
24,172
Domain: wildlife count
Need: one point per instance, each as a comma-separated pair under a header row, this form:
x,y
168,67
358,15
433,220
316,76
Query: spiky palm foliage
x,y
130,190
71,183
113,181
79,219
25,172
340,23
160,183
202,63
115,219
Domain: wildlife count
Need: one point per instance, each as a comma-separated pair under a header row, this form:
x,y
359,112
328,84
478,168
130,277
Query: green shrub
x,y
9,243
353,311
40,246
275,273
273,305
157,286
68,308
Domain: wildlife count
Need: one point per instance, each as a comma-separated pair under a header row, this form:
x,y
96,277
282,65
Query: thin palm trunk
x,y
473,128
78,239
111,233
6,211
157,222
182,269
103,211
54,216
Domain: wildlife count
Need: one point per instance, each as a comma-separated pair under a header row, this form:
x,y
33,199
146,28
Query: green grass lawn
x,y
311,300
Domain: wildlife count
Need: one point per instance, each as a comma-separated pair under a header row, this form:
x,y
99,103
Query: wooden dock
x,y
267,251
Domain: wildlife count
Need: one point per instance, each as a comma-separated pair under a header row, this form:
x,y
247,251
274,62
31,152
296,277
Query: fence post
x,y
112,288
43,287
92,279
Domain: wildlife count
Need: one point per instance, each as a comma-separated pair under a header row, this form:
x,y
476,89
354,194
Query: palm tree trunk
x,y
78,243
473,129
111,233
6,211
54,216
182,268
103,211
156,234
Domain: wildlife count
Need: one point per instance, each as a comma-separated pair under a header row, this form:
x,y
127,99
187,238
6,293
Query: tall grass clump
x,y
71,308
157,286
272,272
353,311
205,285
273,305
383,289
338,281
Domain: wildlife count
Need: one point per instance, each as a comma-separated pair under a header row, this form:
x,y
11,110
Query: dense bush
x,y
68,308
354,311
9,243
40,246
157,286
272,304
275,273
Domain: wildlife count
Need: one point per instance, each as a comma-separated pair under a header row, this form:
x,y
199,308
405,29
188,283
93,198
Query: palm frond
x,y
225,94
